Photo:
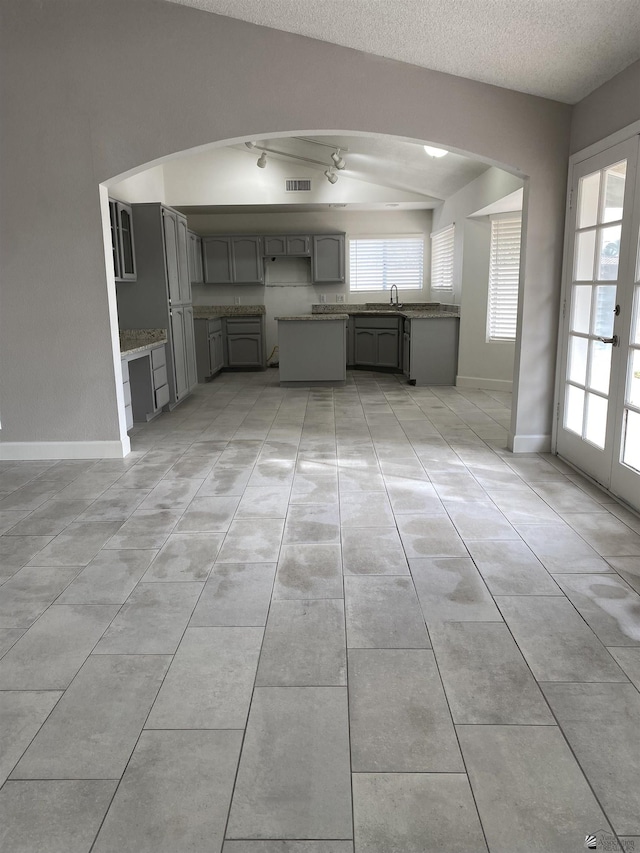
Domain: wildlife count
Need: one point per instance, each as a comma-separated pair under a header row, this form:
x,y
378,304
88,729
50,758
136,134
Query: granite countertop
x,y
213,312
411,310
315,317
429,315
138,340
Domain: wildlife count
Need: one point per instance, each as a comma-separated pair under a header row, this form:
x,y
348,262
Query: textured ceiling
x,y
560,49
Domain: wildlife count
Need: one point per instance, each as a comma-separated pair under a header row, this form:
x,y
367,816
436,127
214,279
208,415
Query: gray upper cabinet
x,y
275,245
233,260
184,280
247,260
216,255
169,219
122,243
327,260
196,273
295,245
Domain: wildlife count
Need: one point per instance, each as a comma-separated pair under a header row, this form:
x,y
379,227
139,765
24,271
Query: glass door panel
x,y
597,271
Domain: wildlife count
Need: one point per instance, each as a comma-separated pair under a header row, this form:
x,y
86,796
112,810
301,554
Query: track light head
x,y
250,144
331,176
262,160
338,161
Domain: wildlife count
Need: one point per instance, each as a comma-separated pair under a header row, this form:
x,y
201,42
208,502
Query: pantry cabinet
x,y
161,296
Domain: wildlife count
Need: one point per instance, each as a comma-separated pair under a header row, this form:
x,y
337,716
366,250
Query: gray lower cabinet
x,y
179,352
145,384
406,349
377,342
433,351
245,342
327,260
209,347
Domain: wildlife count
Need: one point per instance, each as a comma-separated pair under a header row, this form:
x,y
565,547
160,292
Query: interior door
x,y
598,310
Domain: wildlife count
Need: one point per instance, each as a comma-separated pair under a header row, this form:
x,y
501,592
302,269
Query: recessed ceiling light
x,y
435,152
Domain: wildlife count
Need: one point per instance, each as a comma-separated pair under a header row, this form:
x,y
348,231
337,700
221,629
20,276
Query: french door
x,y
599,404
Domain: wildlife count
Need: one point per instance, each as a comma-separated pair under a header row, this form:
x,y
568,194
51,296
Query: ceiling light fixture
x,y
331,176
338,161
435,152
262,160
251,144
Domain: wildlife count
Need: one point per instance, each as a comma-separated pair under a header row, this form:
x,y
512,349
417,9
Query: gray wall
x,y
611,107
93,90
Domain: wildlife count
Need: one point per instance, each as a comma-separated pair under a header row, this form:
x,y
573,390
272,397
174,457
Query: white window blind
x,y
442,259
504,276
377,263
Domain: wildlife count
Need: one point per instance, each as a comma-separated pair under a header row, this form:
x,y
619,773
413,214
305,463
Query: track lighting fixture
x,y
262,160
331,176
338,161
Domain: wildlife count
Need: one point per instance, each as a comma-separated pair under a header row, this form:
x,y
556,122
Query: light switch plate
x,y
339,297
323,297
236,300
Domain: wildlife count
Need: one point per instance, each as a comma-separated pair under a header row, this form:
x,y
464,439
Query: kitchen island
x,y
313,349
417,339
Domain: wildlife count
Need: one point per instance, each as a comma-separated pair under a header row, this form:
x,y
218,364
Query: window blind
x,y
504,277
442,243
377,263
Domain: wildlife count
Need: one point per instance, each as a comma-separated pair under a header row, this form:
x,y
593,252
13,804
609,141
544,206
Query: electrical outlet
x,y
339,297
323,297
236,300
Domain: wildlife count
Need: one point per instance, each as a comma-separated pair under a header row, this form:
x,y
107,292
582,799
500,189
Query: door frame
x,y
622,135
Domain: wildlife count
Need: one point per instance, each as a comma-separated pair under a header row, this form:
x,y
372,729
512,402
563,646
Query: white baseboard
x,y
484,384
529,443
23,450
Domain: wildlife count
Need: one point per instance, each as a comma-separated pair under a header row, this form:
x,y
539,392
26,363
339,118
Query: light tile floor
x,y
318,621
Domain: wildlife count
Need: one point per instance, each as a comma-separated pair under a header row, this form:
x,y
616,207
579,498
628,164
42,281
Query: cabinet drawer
x,y
214,326
248,326
158,357
162,396
377,322
160,376
126,387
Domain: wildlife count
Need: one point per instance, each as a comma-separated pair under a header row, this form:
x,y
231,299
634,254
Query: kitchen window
x,y
442,243
376,263
504,277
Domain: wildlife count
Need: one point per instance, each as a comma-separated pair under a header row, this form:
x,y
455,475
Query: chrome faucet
x,y
396,304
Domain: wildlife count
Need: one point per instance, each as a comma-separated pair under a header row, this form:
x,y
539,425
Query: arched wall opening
x,y
95,90
197,181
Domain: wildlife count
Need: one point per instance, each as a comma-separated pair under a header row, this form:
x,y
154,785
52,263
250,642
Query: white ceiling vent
x,y
297,185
